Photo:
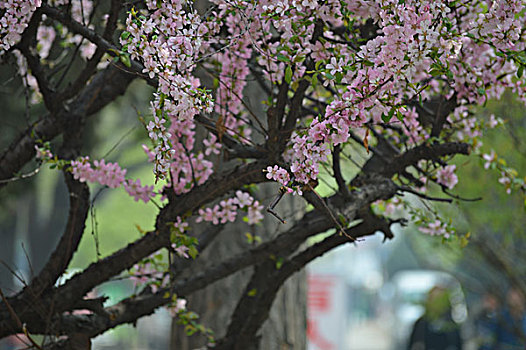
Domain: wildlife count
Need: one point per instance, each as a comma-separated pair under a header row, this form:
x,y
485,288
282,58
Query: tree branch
x,y
60,258
103,89
428,152
91,66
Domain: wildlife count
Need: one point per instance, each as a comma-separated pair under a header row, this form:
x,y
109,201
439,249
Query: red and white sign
x,y
326,318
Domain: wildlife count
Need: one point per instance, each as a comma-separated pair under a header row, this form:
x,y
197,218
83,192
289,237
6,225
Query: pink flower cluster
x,y
174,149
15,20
505,179
490,158
169,42
446,176
278,174
146,272
111,175
163,151
226,210
501,24
137,191
412,127
107,174
436,228
43,153
211,145
186,165
232,79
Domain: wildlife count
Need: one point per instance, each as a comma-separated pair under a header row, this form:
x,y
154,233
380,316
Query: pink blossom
x,y
506,181
278,174
212,146
335,66
229,210
435,228
43,153
254,215
182,251
489,158
176,307
180,225
243,199
210,215
137,191
446,176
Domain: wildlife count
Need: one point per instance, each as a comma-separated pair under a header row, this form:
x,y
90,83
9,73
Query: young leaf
x,y
288,74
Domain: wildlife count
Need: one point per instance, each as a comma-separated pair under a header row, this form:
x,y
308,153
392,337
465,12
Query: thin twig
x,y
28,261
476,199
270,208
21,177
421,195
18,277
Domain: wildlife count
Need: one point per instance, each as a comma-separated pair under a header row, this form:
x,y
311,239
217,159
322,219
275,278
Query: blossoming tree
x,y
373,97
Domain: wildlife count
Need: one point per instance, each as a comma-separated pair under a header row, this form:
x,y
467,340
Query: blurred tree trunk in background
x,y
286,326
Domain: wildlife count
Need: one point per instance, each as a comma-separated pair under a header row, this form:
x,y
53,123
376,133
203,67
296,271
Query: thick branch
x,y
105,87
431,152
336,168
68,244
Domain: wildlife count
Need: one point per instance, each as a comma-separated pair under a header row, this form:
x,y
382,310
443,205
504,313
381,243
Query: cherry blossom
x,y
446,176
137,191
436,228
489,158
176,307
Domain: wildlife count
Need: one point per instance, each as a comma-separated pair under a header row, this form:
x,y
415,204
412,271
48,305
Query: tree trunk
x,y
285,328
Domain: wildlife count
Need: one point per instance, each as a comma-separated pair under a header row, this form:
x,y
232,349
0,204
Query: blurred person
x,y
436,330
510,329
486,320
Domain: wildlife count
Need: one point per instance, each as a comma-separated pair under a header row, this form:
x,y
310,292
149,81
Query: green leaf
x,y
288,74
314,80
342,219
329,76
317,66
279,263
520,71
252,292
281,57
125,59
192,251
389,116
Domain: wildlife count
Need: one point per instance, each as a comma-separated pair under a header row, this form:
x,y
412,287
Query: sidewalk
x,y
369,335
